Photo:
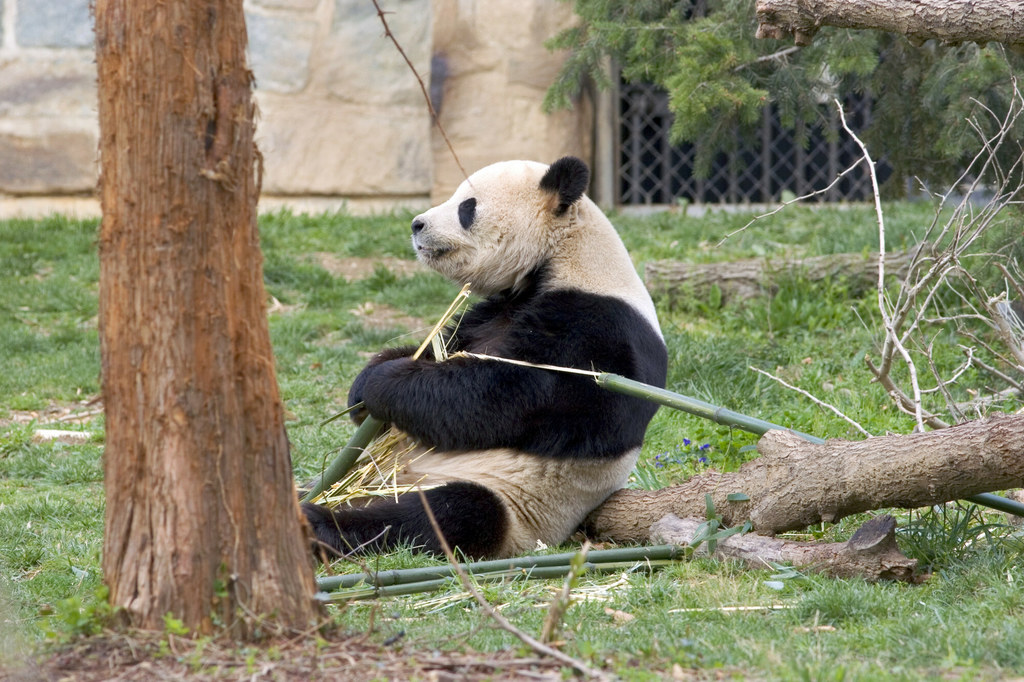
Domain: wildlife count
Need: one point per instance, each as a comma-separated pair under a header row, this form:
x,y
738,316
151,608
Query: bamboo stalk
x,y
344,460
541,573
351,593
528,564
694,406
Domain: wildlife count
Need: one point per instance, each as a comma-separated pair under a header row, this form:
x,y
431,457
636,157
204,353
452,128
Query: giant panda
x,y
512,455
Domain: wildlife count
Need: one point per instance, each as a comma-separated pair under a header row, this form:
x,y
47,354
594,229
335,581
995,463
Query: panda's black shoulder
x,y
569,328
597,332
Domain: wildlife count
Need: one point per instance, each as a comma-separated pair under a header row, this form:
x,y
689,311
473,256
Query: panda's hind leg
x,y
470,516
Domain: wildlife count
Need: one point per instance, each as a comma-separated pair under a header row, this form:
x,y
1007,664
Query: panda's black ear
x,y
569,178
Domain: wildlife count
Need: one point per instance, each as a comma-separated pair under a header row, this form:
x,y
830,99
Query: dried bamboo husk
x,y
369,465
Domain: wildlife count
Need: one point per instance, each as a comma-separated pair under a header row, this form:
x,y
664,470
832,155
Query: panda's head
x,y
502,222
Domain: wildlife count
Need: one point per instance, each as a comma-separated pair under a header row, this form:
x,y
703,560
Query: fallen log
x,y
870,554
979,21
743,279
796,483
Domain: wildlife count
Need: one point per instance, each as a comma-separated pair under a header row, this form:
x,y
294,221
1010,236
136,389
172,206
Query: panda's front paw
x,y
356,406
373,386
355,393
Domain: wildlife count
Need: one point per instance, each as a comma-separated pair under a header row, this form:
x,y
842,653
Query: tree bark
x,y
201,515
748,278
795,483
870,554
951,21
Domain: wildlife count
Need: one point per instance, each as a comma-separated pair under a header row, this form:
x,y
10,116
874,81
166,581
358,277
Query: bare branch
x,y
883,305
901,399
423,87
816,401
784,204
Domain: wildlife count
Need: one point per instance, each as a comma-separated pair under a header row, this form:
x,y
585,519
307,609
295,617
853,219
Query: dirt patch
x,y
146,657
351,269
73,413
383,316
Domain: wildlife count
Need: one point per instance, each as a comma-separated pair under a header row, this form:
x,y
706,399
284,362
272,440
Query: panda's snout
x,y
417,225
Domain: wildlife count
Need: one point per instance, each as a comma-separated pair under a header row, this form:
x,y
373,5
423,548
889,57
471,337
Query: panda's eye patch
x,y
467,213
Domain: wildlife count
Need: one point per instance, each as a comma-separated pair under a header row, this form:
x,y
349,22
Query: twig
x,y
769,57
784,204
821,403
560,604
982,402
941,384
883,306
502,622
901,399
423,88
1002,375
75,416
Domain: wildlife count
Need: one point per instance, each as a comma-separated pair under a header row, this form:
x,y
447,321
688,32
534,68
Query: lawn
x,y
342,287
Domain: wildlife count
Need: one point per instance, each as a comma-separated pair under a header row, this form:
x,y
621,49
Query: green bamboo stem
x,y
720,415
351,590
519,565
343,462
369,429
694,406
542,573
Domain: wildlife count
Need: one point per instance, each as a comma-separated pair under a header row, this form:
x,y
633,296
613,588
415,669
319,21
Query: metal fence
x,y
653,171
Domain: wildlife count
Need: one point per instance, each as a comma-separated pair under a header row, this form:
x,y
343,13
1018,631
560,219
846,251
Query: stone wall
x,y
340,114
48,133
496,73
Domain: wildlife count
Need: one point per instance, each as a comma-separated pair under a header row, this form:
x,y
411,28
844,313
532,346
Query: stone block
x,y
496,85
53,23
279,51
49,86
296,5
361,65
57,162
333,148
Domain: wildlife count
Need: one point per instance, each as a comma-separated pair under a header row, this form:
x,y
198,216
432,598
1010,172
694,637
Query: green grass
x,y
966,622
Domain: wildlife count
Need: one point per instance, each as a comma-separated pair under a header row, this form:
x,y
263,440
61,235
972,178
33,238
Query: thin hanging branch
x,y
883,304
423,88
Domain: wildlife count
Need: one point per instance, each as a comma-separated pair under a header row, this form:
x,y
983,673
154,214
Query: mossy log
x,y
743,279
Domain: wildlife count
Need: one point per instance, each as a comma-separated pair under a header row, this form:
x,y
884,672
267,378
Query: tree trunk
x,y
795,483
201,515
742,279
951,21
